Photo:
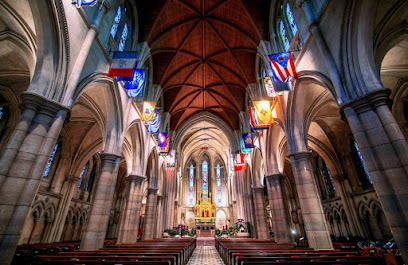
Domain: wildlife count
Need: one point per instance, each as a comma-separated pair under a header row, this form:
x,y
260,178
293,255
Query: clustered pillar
x,y
279,209
260,215
315,223
129,225
95,232
150,215
22,165
385,152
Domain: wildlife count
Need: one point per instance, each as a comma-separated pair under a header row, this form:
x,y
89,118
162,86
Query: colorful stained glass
x,y
327,180
49,163
218,173
191,186
291,19
205,178
284,36
123,38
82,177
116,22
362,163
1,112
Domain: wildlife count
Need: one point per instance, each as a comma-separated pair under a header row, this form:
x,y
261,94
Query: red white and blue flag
x,y
123,64
282,66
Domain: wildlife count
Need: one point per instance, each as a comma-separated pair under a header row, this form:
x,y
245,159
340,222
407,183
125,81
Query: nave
x,y
150,125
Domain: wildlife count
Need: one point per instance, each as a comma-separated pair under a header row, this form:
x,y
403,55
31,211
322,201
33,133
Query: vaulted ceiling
x,y
204,54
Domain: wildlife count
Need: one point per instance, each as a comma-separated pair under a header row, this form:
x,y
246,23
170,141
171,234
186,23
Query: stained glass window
x,y
284,36
218,173
1,112
116,21
123,38
362,163
191,184
291,19
49,163
326,179
205,178
82,177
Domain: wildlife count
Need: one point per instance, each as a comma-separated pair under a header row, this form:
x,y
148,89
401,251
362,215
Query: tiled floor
x,y
207,255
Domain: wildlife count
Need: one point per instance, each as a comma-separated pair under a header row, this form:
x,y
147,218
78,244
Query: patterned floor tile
x,y
207,255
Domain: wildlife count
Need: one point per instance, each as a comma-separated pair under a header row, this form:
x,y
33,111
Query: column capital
x,y
369,101
275,176
152,190
39,103
136,178
257,189
72,178
301,155
108,157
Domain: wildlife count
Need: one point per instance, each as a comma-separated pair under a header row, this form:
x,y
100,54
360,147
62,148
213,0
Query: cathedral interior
x,y
82,156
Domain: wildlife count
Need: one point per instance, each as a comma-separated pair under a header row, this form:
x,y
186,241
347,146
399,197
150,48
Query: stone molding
x,y
369,101
275,176
136,178
152,191
301,155
41,104
108,157
258,189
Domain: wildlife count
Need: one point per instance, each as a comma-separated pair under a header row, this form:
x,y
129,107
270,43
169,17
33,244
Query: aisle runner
x,y
205,255
205,241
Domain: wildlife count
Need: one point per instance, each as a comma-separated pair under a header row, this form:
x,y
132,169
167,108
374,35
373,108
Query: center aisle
x,y
207,255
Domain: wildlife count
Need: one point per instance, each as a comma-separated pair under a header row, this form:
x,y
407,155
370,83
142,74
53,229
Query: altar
x,y
205,216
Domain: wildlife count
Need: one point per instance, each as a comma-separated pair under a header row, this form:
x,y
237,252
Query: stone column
x,y
239,188
260,216
279,209
317,233
349,208
22,165
83,53
385,153
159,216
98,220
129,221
150,215
65,202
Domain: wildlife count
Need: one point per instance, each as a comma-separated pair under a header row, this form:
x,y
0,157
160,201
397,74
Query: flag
x,y
270,88
135,83
166,148
239,162
239,159
148,110
243,148
248,141
279,87
263,111
79,3
123,64
282,66
255,124
153,126
162,139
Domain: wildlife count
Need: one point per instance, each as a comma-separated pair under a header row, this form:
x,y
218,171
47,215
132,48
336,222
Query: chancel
x,y
203,132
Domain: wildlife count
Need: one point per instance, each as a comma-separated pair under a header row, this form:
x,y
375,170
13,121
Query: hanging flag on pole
x,y
148,110
239,162
263,111
123,64
248,140
153,126
282,66
79,3
255,124
135,83
165,150
162,139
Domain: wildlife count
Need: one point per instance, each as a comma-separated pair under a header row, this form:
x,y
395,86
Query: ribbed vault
x,y
204,55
